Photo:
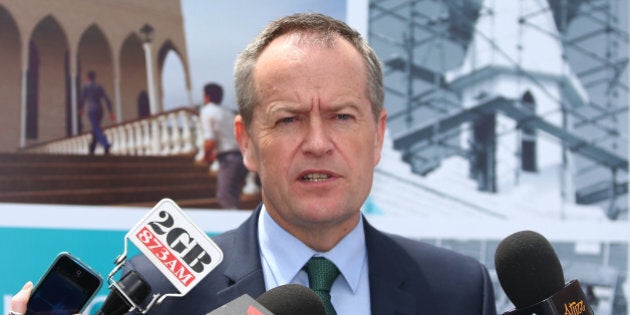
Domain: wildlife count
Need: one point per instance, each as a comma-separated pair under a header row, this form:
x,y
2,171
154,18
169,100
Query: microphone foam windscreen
x,y
291,299
528,268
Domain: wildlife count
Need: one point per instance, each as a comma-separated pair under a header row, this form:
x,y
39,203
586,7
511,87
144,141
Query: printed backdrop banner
x,y
34,234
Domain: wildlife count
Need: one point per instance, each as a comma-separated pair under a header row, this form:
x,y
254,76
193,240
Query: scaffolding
x,y
420,41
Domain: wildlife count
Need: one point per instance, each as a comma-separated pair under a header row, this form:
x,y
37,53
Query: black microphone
x,y
178,248
133,286
292,299
531,276
288,299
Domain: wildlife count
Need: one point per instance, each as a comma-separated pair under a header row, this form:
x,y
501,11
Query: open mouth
x,y
315,177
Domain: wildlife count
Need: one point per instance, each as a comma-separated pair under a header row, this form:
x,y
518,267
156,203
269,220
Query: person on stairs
x,y
93,93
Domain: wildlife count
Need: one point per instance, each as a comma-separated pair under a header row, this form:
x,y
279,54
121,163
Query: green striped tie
x,y
321,275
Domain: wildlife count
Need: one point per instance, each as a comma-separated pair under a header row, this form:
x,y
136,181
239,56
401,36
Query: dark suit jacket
x,y
406,277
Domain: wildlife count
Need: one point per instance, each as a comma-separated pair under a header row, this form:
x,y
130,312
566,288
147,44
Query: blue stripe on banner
x,y
33,235
29,251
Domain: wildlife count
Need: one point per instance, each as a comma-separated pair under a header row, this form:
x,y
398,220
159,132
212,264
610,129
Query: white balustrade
x,y
115,141
175,134
171,133
199,138
165,136
123,145
187,140
131,143
155,139
138,140
146,137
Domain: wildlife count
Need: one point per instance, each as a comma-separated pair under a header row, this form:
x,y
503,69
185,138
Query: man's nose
x,y
317,140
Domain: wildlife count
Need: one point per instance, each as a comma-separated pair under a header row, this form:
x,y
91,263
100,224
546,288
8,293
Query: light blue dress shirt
x,y
283,256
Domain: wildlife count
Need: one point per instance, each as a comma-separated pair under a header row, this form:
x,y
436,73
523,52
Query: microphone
x,y
288,299
179,249
292,299
531,276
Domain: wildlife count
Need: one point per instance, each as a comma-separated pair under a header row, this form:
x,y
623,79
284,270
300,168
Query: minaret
x,y
516,52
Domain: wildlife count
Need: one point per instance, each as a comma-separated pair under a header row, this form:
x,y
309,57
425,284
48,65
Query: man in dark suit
x,y
405,277
311,124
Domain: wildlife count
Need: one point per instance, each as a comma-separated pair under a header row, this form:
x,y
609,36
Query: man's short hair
x,y
323,29
214,91
91,75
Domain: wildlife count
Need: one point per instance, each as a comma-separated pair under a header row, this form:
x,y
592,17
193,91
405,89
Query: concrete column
x,y
74,102
153,105
23,107
23,96
117,96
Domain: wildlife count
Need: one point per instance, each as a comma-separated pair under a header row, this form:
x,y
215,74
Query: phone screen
x,y
66,288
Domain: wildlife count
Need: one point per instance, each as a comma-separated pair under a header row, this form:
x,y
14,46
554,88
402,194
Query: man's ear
x,y
244,142
381,127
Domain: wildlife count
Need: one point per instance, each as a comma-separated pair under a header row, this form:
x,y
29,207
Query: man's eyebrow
x,y
283,107
344,105
295,108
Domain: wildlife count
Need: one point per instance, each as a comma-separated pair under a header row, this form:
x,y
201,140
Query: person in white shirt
x,y
217,123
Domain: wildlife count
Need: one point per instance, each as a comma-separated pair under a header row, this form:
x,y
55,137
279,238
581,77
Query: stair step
x,y
106,196
109,180
33,158
56,182
248,202
59,168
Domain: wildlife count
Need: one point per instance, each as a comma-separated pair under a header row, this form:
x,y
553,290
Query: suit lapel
x,y
244,271
395,281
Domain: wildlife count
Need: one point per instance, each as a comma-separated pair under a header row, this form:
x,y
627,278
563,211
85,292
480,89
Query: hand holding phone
x,y
66,287
19,300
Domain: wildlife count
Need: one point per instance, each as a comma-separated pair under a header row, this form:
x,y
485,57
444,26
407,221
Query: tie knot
x,y
321,273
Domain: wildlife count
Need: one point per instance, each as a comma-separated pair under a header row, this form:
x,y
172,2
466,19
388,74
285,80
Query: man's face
x,y
313,139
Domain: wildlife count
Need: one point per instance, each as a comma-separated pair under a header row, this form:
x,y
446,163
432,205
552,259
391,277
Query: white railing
x,y
176,132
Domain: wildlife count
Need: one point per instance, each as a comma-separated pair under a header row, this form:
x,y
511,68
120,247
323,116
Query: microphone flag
x,y
568,301
182,252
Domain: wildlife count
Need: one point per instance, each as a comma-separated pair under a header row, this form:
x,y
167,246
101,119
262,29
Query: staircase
x,y
108,180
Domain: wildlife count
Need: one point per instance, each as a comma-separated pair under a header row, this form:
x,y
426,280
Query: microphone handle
x,y
568,301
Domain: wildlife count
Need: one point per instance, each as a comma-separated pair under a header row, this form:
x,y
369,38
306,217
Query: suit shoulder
x,y
440,273
436,258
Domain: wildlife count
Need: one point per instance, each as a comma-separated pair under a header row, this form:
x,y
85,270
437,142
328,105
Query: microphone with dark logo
x,y
531,276
288,299
179,249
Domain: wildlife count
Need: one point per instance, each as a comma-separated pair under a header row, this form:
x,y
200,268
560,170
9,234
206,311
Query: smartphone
x,y
66,287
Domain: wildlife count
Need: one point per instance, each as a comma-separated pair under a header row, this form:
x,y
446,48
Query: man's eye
x,y
344,116
286,120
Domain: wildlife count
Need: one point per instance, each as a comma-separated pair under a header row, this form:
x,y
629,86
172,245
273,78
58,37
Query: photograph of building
x,y
502,116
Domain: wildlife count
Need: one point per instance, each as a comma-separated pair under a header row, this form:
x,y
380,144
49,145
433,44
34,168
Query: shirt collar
x,y
286,255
